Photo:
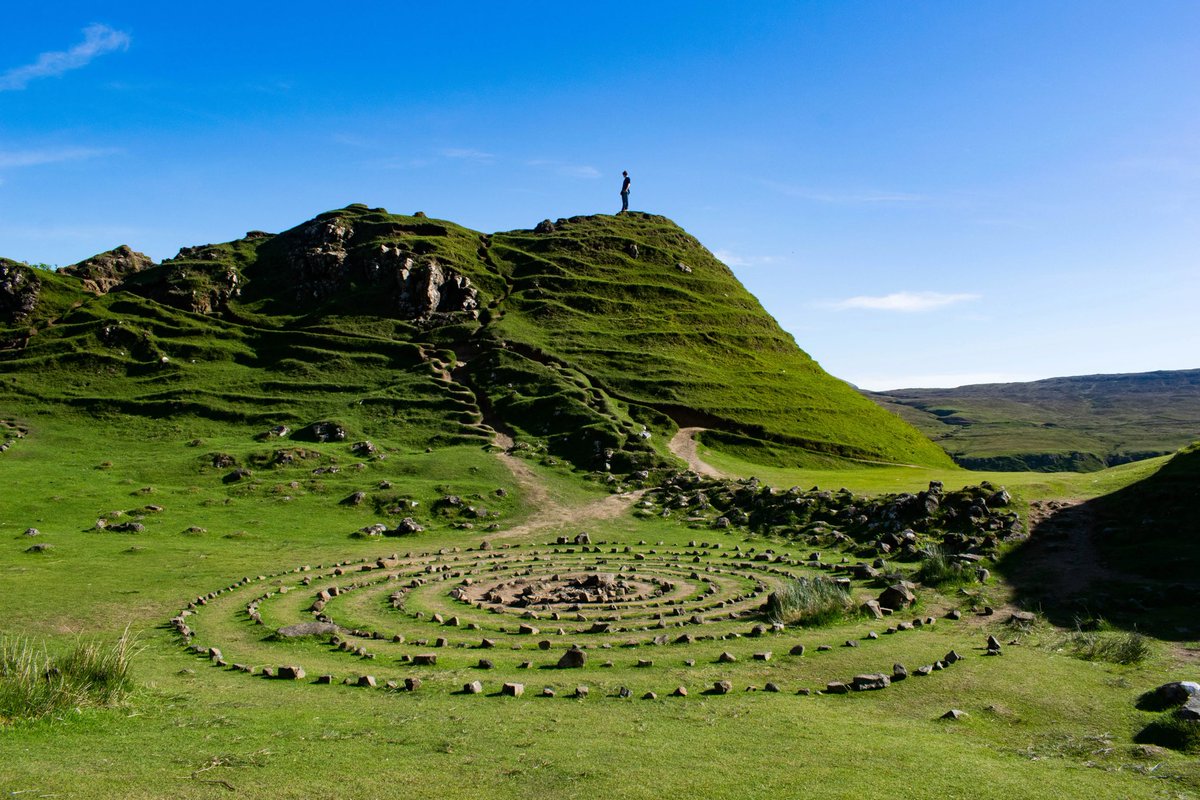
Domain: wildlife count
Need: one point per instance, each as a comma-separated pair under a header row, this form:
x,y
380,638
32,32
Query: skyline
x,y
922,195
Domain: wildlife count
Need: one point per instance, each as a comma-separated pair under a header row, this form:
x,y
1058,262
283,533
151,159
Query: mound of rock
x,y
105,271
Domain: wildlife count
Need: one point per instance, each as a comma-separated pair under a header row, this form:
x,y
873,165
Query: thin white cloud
x,y
97,40
905,302
565,169
467,154
50,155
850,198
733,259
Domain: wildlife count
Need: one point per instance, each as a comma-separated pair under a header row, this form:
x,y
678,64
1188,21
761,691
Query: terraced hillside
x,y
593,337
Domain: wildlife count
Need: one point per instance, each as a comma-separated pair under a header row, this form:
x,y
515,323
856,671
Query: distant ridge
x,y
592,337
1078,423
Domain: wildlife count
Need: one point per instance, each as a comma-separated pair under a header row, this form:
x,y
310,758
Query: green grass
x,y
1036,720
810,602
1062,424
1115,647
36,684
113,433
936,569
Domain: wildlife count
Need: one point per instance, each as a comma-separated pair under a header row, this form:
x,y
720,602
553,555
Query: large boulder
x,y
572,659
1170,695
897,596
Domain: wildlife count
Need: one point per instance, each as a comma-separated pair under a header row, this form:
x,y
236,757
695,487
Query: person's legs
x,y
624,201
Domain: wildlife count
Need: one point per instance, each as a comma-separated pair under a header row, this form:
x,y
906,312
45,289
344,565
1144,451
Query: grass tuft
x,y
1111,646
811,602
36,684
938,570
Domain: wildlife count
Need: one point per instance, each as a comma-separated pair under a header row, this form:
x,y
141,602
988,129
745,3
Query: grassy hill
x,y
592,337
150,497
1077,424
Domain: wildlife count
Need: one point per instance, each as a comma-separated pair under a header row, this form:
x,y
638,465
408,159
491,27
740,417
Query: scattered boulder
x,y
321,432
1169,695
308,629
897,596
574,658
872,682
513,689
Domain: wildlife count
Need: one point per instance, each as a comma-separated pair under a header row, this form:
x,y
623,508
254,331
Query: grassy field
x,y
448,483
1041,722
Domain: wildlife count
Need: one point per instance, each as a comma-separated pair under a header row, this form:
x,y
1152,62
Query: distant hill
x,y
591,337
1081,423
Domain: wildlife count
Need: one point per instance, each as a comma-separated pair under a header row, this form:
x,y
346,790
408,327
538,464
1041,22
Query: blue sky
x,y
922,193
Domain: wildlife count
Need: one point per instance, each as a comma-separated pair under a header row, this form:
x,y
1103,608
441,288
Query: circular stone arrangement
x,y
455,619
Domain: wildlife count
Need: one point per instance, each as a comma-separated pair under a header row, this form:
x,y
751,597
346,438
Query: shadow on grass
x,y
1129,558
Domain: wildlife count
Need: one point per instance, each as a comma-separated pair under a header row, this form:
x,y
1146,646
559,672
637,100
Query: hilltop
x,y
594,338
1082,423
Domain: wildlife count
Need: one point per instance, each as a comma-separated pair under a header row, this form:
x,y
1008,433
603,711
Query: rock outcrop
x,y
19,290
105,271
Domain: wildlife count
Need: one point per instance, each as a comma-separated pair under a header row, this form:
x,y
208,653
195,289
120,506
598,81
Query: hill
x,y
1079,423
591,337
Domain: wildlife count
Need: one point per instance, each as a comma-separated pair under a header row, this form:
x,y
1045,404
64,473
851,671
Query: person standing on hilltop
x,y
624,192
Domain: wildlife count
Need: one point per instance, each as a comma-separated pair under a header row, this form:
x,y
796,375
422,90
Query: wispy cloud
x,y
50,155
565,169
857,197
97,40
732,259
905,302
467,154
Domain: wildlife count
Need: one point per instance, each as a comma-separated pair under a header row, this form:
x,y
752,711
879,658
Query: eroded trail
x,y
551,512
683,444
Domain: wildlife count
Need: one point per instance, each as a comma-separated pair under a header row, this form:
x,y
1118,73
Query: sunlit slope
x,y
654,317
594,337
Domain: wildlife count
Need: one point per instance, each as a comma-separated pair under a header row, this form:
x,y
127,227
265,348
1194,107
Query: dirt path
x,y
551,513
683,444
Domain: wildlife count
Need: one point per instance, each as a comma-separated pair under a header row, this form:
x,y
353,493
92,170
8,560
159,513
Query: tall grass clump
x,y
937,569
35,684
1113,647
809,601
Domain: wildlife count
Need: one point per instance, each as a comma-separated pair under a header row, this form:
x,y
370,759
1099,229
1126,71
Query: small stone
x,y
649,696
726,658
797,650
954,714
412,684
680,691
513,689
722,687
367,681
580,692
771,687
